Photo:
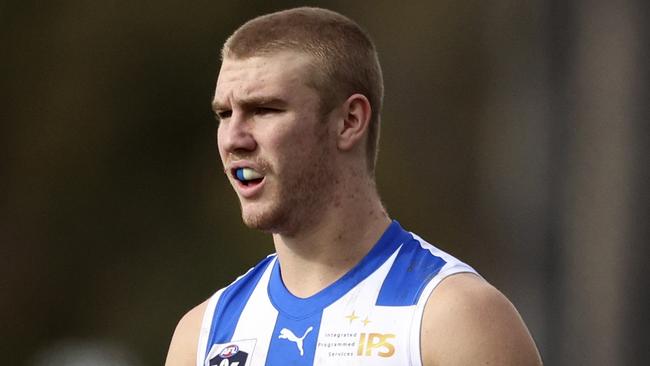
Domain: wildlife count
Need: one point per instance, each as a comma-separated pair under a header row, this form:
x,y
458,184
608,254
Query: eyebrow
x,y
247,103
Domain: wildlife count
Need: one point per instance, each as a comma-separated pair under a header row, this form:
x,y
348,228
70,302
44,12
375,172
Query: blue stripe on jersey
x,y
297,307
231,304
290,336
413,268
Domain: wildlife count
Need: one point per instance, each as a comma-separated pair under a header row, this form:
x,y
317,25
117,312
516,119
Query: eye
x,y
221,115
262,111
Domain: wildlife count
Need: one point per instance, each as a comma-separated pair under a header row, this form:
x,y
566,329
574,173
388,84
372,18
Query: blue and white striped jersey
x,y
370,316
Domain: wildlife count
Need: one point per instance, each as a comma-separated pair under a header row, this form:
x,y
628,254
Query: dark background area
x,y
514,136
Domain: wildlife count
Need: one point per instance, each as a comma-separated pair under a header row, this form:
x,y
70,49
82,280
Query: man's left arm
x,y
469,322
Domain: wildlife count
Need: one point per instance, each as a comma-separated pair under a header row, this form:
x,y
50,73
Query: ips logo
x,y
375,343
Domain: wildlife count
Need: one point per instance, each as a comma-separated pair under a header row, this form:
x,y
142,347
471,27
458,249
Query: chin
x,y
268,219
283,222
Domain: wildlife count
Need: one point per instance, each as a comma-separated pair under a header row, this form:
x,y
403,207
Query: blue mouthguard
x,y
240,174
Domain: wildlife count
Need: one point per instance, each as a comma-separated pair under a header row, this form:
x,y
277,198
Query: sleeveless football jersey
x,y
370,316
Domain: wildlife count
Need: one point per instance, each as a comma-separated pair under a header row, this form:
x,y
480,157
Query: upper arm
x,y
183,347
468,322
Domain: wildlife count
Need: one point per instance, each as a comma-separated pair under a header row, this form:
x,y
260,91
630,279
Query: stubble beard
x,y
303,191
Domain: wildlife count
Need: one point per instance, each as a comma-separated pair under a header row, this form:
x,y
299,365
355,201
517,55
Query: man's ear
x,y
354,124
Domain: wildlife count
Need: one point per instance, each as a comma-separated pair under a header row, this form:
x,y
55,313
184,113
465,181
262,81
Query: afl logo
x,y
229,351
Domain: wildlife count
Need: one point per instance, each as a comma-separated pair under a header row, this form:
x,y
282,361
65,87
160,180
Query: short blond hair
x,y
345,56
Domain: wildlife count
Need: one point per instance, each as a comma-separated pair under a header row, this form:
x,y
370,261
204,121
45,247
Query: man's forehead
x,y
282,55
261,75
281,61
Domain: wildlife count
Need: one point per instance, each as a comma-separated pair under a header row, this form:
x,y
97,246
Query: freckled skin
x,y
313,198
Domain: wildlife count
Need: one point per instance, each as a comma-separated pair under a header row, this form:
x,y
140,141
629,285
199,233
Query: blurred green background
x,y
514,136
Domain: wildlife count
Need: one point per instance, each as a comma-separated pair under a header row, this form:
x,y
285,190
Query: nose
x,y
235,135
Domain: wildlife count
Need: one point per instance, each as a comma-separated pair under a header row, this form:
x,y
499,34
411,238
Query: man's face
x,y
275,147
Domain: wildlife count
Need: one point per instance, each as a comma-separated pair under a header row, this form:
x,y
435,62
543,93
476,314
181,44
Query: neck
x,y
316,256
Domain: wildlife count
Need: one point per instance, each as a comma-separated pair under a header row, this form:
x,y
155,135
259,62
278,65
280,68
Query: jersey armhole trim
x,y
415,346
206,325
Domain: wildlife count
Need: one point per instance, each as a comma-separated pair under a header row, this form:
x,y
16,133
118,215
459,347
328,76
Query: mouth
x,y
247,177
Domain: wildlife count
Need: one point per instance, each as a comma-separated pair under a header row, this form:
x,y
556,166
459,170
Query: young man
x,y
298,100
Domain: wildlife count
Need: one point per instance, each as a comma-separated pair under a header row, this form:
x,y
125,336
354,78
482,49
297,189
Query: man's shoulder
x,y
184,345
468,321
464,296
182,350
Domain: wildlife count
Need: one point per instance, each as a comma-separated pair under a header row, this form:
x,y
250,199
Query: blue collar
x,y
298,308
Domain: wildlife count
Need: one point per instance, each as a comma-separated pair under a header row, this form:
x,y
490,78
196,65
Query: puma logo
x,y
288,335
